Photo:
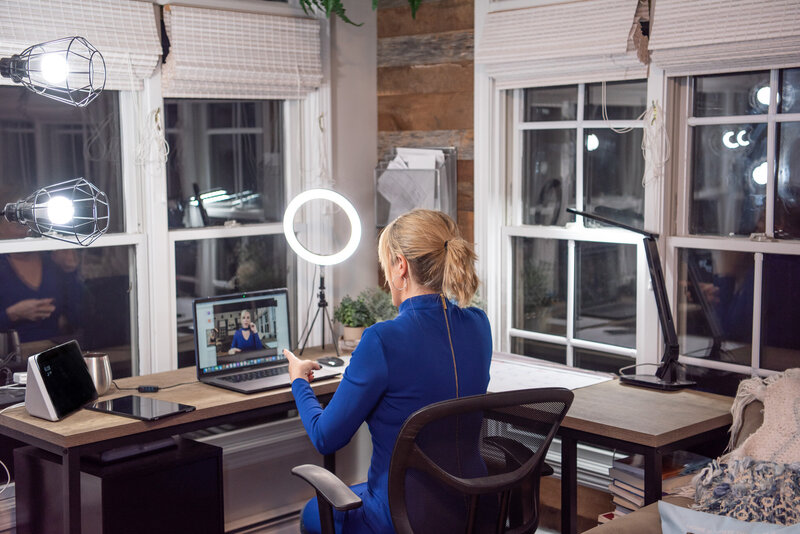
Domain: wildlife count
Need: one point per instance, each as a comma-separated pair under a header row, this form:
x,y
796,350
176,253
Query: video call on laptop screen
x,y
242,330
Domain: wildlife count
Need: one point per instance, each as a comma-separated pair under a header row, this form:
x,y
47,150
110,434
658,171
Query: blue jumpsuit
x,y
399,367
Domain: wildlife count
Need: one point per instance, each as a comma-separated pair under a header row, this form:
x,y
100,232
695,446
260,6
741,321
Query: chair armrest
x,y
328,486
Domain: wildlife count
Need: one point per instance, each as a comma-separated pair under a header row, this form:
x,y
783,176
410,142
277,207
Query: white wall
x,y
354,103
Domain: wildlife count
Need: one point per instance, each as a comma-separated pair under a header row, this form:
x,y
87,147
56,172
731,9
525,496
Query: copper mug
x,y
99,369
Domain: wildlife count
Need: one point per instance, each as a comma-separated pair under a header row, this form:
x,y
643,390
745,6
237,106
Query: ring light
x,y
339,200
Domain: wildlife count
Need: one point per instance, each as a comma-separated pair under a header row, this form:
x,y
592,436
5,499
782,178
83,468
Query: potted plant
x,y
354,316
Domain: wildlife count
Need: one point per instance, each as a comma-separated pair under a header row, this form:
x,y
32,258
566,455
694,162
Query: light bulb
x,y
727,139
760,174
592,142
60,210
762,95
54,68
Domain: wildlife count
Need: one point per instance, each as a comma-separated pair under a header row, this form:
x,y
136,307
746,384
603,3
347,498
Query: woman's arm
x,y
364,382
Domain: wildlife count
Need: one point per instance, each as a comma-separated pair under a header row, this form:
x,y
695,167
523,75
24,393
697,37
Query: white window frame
x,y
684,240
154,346
572,233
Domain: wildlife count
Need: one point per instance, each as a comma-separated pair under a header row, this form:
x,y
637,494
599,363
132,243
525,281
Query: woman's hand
x,y
31,309
253,328
234,351
300,368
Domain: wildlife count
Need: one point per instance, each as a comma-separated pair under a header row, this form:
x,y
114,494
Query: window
x,y
225,173
50,292
736,254
571,294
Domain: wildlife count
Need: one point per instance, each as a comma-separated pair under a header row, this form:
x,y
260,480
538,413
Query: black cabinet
x,y
173,490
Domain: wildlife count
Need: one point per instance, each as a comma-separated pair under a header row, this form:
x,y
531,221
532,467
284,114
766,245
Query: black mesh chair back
x,y
473,464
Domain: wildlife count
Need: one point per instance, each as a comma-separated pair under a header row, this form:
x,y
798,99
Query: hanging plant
x,y
336,8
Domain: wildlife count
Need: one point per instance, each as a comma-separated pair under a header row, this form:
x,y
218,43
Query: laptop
x,y
239,341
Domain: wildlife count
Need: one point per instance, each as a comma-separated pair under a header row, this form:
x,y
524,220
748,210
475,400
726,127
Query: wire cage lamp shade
x,y
69,70
74,211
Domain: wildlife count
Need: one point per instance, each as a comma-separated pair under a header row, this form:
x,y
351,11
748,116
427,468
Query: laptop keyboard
x,y
253,375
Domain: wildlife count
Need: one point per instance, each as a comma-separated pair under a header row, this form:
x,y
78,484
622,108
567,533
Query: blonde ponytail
x,y
438,257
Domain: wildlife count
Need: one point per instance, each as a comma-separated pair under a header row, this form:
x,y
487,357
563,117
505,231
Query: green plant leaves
x,y
335,7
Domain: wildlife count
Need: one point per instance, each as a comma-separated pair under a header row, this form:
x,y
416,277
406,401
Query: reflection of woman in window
x,y
246,337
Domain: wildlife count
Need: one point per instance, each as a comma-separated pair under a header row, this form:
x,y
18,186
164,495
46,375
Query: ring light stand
x,y
319,259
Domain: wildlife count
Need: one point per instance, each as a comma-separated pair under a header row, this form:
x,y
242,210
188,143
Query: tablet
x,y
138,407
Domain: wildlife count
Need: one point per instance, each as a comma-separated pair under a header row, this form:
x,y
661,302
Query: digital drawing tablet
x,y
137,407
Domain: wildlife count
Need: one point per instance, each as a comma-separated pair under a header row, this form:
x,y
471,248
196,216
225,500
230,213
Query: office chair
x,y
462,465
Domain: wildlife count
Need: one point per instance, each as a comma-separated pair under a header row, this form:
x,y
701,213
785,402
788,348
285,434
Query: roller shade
x,y
230,54
124,31
702,37
585,41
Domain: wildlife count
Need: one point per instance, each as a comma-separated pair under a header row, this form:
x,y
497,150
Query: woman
x,y
436,348
246,338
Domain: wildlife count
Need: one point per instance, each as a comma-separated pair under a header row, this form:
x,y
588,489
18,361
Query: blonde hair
x,y
438,257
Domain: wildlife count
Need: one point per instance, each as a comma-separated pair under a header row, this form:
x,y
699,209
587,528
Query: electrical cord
x,y
17,405
150,389
308,308
8,478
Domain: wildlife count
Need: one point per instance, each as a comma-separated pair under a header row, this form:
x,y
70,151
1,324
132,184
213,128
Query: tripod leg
x,y
310,329
330,324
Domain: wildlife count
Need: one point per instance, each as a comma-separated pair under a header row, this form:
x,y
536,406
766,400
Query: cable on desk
x,y
150,389
17,405
8,478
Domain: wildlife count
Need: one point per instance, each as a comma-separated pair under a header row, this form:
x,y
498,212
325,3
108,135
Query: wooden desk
x,y
636,420
86,431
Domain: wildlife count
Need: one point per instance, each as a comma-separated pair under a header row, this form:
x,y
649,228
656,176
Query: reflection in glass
x,y
714,313
790,91
728,179
43,142
548,176
539,288
613,175
605,303
600,361
537,349
211,267
787,197
780,314
87,294
731,94
232,153
551,103
624,100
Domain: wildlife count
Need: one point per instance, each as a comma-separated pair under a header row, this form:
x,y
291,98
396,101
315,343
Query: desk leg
x,y
652,476
569,485
71,491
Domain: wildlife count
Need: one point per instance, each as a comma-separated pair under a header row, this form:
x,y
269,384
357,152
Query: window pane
x,y
43,142
540,285
537,349
218,266
731,94
600,361
729,176
551,103
787,199
613,167
624,100
85,294
232,152
605,306
780,314
548,176
790,91
715,305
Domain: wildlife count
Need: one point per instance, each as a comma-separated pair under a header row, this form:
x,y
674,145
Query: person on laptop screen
x,y
437,348
246,337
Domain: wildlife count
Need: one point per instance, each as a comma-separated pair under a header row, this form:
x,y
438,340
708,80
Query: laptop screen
x,y
240,330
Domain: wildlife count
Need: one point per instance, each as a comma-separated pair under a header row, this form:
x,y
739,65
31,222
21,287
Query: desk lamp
x,y
74,211
69,70
666,376
320,259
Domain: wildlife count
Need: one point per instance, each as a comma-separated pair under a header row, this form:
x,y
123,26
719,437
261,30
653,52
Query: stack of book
x,y
627,485
8,520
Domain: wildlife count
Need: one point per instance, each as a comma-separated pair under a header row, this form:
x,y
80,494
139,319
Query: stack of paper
x,y
412,189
